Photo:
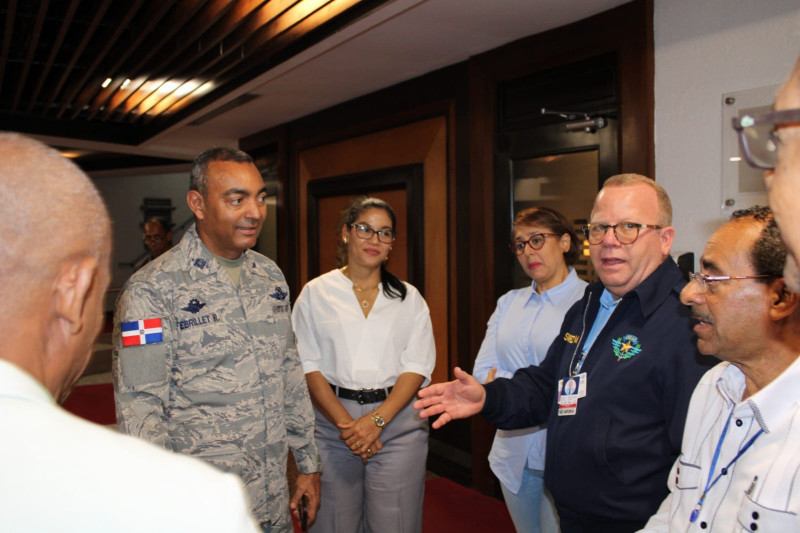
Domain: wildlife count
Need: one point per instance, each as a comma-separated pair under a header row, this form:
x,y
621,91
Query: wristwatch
x,y
378,419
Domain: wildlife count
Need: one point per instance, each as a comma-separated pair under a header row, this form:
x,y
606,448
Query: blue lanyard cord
x,y
583,353
711,482
580,364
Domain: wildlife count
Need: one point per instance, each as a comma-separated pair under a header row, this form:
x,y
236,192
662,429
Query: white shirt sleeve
x,y
305,331
419,354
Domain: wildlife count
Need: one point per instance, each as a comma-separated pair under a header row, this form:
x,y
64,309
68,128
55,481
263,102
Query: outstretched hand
x,y
460,398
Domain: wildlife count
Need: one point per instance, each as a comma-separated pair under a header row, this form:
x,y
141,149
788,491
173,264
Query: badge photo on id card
x,y
570,390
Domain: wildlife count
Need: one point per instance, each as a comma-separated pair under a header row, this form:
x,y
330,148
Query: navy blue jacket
x,y
611,459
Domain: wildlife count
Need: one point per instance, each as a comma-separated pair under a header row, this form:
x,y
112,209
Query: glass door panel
x,y
565,182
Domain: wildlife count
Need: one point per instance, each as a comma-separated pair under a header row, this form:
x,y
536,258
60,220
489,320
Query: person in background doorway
x,y
366,342
157,239
518,335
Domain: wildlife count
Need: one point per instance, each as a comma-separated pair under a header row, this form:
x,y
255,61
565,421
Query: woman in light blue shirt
x,y
519,333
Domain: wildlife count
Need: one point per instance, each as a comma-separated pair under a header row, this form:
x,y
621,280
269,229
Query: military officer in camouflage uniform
x,y
204,354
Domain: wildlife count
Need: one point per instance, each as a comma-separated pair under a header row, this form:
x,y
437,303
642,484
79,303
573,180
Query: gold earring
x,y
345,240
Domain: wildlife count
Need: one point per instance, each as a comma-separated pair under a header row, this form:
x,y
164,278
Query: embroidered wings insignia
x,y
194,306
279,294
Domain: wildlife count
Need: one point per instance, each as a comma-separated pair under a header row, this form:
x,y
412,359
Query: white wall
x,y
704,49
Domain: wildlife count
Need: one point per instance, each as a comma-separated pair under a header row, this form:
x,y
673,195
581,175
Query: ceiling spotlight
x,y
125,83
106,83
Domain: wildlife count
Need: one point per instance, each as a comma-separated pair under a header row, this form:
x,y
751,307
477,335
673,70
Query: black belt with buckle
x,y
362,396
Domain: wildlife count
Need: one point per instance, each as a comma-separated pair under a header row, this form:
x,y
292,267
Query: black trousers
x,y
573,523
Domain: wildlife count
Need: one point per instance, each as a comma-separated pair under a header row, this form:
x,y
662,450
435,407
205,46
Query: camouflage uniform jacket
x,y
225,384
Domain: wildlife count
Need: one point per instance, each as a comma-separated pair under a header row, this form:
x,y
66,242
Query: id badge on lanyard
x,y
570,390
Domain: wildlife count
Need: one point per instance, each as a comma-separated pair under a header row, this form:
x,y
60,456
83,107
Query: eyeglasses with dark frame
x,y
625,232
758,139
703,280
363,231
535,241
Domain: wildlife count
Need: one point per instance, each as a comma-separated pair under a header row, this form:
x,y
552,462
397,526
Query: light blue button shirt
x,y
520,331
607,306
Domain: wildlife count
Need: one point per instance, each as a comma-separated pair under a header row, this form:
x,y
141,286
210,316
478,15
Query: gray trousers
x,y
383,496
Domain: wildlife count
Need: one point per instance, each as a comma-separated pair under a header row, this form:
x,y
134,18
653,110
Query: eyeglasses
x,y
757,137
625,232
363,231
703,280
152,238
535,241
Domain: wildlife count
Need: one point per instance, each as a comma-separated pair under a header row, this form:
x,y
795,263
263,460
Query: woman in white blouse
x,y
366,344
519,333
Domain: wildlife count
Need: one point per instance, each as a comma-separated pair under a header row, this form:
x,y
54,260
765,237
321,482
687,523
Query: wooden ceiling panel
x,y
34,42
85,35
159,61
52,50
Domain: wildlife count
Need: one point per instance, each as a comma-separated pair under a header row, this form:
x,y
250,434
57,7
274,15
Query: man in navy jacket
x,y
616,383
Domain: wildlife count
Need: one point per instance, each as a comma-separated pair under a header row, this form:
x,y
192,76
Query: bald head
x,y
630,179
54,263
49,211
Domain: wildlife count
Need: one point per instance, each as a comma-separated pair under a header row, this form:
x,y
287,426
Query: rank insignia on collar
x,y
279,294
194,304
571,339
200,262
626,346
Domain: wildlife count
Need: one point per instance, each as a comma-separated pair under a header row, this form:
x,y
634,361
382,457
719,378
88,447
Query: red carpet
x,y
452,507
94,403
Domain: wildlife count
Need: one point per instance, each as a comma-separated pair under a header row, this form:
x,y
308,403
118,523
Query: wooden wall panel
x,y
422,142
329,211
447,120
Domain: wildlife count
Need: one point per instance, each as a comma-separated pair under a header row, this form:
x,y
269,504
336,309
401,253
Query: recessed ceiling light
x,y
106,83
72,154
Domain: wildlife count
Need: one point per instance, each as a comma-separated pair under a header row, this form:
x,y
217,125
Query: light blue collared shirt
x,y
607,306
519,333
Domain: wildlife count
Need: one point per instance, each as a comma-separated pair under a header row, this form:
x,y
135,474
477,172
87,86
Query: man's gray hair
x,y
198,177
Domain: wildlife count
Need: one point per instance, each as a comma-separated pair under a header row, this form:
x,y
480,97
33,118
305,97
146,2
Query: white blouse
x,y
354,351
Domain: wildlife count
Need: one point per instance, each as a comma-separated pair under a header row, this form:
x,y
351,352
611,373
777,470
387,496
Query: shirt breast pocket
x,y
687,476
756,517
203,339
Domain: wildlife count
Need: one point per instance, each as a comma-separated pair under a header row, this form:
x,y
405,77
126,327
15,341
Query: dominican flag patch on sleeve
x,y
138,332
